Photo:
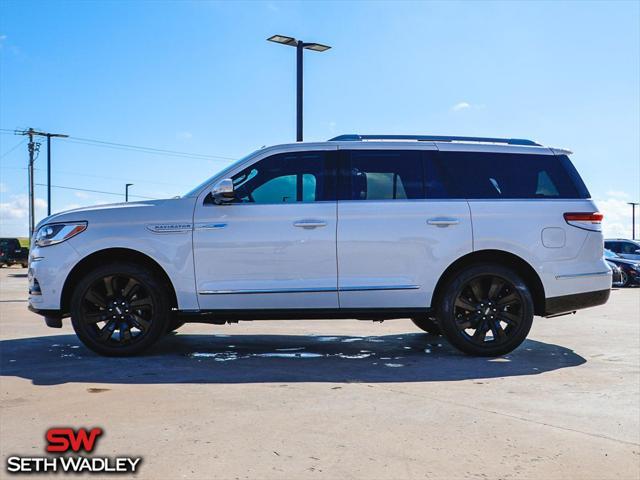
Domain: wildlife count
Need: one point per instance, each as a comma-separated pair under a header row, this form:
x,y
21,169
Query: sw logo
x,y
66,440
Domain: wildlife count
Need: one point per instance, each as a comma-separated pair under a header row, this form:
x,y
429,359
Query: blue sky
x,y
199,77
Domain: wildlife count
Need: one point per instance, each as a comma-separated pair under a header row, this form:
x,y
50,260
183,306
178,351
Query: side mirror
x,y
222,192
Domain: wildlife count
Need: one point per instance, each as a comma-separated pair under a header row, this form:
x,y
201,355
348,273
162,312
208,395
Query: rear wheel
x,y
120,309
486,310
624,279
428,324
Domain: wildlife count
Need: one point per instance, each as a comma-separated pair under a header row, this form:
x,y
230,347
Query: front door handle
x,y
443,221
309,223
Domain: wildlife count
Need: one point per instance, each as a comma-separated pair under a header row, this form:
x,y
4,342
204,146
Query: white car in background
x,y
469,237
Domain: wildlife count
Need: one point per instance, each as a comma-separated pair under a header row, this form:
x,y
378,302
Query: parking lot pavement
x,y
334,399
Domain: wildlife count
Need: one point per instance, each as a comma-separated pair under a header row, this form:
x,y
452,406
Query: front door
x,y
397,231
274,246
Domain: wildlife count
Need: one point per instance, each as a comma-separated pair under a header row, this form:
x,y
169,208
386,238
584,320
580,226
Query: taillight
x,y
585,220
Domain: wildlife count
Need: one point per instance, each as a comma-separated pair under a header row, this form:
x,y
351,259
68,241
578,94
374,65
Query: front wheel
x,y
486,310
120,309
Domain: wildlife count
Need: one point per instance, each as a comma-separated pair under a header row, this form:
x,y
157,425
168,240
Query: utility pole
x,y
34,148
49,135
126,191
633,219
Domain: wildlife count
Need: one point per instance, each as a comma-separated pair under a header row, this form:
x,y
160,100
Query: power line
x,y
20,143
93,191
138,148
150,149
65,172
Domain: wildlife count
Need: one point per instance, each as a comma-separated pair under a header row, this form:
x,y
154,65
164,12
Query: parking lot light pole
x,y
633,219
126,191
300,46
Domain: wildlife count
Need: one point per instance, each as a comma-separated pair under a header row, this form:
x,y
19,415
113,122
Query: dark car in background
x,y
12,253
629,269
624,248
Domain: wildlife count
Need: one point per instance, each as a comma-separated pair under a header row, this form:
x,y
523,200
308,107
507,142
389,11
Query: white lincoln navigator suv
x,y
468,237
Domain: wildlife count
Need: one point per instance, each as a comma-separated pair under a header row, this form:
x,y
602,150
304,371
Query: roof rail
x,y
433,138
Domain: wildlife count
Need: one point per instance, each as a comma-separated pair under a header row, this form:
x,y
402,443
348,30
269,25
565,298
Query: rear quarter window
x,y
509,175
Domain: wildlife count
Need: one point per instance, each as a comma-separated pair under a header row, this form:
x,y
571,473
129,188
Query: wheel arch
x,y
499,257
109,255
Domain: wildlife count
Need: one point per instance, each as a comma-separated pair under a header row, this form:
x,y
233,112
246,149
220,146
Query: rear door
x,y
397,231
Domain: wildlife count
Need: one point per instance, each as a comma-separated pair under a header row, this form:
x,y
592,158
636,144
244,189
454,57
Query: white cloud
x,y
617,215
3,188
618,194
82,195
461,106
184,135
18,208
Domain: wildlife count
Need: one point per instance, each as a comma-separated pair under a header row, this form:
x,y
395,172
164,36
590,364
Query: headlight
x,y
58,232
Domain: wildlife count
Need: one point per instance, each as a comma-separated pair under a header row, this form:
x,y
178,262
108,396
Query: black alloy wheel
x,y
119,309
487,310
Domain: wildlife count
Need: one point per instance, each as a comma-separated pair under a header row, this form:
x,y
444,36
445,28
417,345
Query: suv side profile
x,y
468,237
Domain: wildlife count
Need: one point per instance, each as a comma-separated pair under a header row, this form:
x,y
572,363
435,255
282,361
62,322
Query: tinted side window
x,y
509,175
383,175
287,178
628,247
613,246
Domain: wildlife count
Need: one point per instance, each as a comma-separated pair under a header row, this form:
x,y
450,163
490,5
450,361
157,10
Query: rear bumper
x,y
53,318
576,301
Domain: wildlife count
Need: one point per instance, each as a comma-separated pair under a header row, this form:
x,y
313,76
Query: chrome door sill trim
x,y
579,275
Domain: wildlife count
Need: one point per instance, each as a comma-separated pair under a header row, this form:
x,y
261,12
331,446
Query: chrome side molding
x,y
310,290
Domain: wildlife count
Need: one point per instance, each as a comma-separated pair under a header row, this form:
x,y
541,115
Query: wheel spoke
x,y
468,321
497,331
476,289
94,317
141,303
481,332
509,318
465,304
509,299
129,288
108,285
95,298
107,331
125,333
140,322
495,288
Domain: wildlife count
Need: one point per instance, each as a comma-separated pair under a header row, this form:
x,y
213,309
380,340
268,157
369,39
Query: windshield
x,y
609,254
197,189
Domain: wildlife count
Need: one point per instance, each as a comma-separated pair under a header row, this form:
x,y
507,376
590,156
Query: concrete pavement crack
x,y
508,415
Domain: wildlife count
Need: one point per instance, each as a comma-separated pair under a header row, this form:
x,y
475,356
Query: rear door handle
x,y
443,221
309,223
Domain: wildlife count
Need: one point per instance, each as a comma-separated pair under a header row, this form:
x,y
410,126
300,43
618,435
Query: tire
x,y
428,324
483,299
120,309
174,324
624,279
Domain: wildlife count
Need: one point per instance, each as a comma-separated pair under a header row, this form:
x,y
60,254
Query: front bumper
x,y
48,271
53,318
576,301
